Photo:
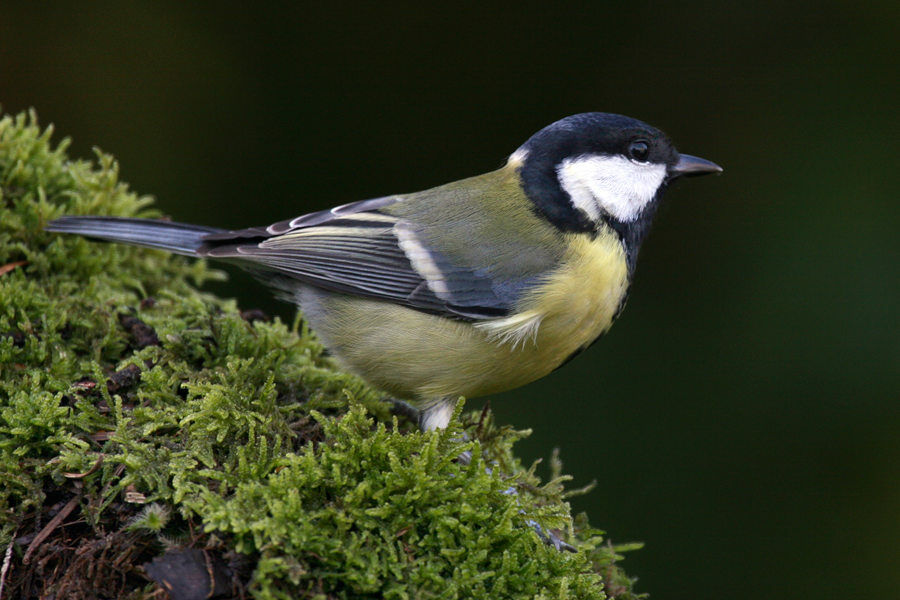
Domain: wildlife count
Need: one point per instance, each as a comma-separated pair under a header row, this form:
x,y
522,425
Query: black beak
x,y
691,166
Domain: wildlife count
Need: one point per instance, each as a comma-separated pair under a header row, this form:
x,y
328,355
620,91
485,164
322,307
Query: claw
x,y
550,538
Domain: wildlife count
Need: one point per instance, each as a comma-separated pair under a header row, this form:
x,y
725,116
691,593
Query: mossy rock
x,y
141,417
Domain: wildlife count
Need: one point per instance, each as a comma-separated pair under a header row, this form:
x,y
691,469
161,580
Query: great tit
x,y
469,288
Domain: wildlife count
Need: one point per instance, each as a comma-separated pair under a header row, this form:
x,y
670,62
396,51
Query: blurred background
x,y
743,416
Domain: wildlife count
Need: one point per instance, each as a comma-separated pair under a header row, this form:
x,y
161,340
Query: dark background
x,y
742,418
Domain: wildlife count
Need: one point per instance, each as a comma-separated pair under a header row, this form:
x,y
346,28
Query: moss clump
x,y
140,415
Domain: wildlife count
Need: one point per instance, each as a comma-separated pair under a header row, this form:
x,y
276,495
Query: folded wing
x,y
358,249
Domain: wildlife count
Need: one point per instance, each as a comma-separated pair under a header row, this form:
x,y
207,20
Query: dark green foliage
x,y
167,420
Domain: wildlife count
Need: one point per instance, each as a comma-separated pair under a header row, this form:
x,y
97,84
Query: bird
x,y
466,289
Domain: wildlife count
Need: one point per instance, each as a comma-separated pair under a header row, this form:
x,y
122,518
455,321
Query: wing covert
x,y
359,250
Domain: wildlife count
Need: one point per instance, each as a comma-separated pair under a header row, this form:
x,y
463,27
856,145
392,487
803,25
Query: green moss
x,y
238,437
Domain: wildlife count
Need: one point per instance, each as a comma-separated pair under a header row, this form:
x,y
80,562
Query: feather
x,y
514,330
351,249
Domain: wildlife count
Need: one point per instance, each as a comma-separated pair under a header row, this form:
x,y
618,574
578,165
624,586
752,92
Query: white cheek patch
x,y
613,185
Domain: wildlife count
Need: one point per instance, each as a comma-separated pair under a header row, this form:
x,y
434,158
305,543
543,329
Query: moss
x,y
160,418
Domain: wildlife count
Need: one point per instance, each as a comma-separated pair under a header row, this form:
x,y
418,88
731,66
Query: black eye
x,y
639,150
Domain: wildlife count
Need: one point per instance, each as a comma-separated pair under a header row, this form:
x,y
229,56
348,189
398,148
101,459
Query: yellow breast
x,y
415,355
576,305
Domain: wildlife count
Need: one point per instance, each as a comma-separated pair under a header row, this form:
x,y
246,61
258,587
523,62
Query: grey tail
x,y
180,238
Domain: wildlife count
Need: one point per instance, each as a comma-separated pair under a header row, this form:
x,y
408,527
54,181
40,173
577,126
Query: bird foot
x,y
550,538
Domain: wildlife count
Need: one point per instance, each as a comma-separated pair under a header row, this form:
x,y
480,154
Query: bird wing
x,y
361,249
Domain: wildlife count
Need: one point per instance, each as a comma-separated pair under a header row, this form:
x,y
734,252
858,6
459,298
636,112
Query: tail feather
x,y
180,238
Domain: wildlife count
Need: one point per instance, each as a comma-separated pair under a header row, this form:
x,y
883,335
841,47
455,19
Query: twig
x,y
7,561
10,266
48,529
93,469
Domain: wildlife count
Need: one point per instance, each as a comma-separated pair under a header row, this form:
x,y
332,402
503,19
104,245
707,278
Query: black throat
x,y
632,234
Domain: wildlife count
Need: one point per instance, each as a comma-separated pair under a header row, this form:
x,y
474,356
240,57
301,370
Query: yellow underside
x,y
418,356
